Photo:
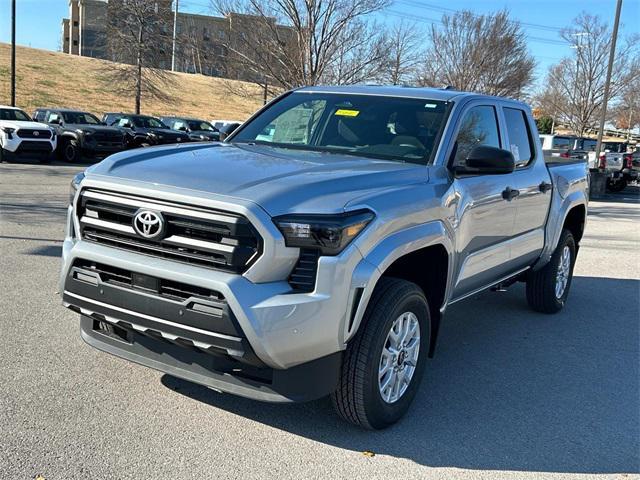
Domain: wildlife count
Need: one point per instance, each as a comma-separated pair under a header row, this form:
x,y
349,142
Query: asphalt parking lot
x,y
510,393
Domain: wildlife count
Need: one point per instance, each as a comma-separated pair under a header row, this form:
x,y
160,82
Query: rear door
x,y
532,180
484,218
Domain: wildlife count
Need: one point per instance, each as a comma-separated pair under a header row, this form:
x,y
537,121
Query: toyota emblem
x,y
36,134
148,224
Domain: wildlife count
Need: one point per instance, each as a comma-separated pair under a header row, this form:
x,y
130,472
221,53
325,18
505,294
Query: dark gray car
x,y
198,130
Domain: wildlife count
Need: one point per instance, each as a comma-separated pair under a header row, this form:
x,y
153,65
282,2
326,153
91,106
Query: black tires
x,y
2,155
384,363
548,288
617,186
71,151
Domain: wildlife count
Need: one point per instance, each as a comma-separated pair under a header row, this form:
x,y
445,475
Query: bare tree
x,y
626,114
479,53
138,39
291,43
404,53
574,87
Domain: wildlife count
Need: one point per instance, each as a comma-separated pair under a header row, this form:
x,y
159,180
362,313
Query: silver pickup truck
x,y
316,251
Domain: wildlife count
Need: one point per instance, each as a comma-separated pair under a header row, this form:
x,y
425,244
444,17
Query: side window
x,y
520,143
123,121
51,116
39,116
479,127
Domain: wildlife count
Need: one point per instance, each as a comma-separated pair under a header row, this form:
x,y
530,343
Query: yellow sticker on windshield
x,y
347,113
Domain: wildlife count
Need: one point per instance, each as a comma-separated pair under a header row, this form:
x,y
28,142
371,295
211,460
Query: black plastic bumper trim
x,y
305,382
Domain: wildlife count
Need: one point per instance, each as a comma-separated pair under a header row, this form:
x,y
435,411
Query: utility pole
x,y
612,54
13,53
175,31
264,93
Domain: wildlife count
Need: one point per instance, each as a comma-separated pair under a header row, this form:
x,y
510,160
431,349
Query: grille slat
x,y
193,235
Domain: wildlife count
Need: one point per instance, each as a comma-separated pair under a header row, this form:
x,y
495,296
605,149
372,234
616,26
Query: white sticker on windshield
x,y
516,152
430,105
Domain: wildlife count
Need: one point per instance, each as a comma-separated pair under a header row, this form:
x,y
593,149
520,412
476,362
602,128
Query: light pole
x,y
612,54
13,53
175,30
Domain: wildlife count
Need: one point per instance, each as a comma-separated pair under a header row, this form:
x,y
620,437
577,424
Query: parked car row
x,y
73,134
617,160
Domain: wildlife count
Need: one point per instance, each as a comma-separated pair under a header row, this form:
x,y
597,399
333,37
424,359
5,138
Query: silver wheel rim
x,y
399,357
564,268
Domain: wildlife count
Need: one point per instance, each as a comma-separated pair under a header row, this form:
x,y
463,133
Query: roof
x,y
400,91
55,109
10,107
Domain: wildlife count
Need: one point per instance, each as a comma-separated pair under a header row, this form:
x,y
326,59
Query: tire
x,y
618,186
2,155
543,291
359,396
71,151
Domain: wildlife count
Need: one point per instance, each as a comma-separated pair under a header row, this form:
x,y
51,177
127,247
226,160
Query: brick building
x,y
202,46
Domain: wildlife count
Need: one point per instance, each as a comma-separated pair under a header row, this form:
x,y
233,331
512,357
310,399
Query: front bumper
x,y
19,145
305,382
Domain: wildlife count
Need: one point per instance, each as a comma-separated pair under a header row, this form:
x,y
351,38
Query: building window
x,y
75,23
75,43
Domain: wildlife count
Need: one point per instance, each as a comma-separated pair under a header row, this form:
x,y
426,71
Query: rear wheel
x,y
2,155
616,186
384,363
548,288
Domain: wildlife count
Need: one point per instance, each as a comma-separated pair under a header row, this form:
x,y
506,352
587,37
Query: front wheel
x,y
384,362
548,288
71,151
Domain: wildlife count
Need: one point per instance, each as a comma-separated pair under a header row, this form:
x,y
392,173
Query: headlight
x,y
330,233
74,186
8,131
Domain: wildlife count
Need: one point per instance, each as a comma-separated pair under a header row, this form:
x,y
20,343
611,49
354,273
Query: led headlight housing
x,y
329,233
74,186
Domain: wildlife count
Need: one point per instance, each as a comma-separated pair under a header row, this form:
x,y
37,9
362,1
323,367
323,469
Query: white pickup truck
x,y
19,134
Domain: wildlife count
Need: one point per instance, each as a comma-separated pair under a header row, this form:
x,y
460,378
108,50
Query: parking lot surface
x,y
509,394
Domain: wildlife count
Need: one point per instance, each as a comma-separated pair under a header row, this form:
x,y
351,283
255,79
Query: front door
x,y
484,218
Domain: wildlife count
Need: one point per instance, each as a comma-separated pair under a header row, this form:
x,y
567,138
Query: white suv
x,y
19,134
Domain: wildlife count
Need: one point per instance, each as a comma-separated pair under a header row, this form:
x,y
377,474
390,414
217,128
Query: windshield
x,y
80,118
13,114
148,122
392,128
200,125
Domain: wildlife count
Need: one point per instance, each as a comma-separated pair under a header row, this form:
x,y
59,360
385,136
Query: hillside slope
x,y
54,79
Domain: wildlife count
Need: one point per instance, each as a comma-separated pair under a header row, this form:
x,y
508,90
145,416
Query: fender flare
x,y
383,255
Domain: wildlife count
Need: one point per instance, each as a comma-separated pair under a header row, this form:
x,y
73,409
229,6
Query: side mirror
x,y
183,129
128,125
486,160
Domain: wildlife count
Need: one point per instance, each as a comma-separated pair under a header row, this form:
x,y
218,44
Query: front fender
x,y
381,257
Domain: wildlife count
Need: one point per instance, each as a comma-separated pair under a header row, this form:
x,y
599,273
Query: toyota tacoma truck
x,y
81,134
316,250
20,135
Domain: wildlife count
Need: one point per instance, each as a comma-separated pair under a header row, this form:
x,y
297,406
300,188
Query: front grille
x,y
108,138
303,277
30,133
203,237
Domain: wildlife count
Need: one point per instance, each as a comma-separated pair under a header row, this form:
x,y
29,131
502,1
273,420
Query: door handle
x,y
544,187
510,193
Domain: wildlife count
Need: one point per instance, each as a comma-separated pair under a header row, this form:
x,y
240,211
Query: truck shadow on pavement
x,y
508,389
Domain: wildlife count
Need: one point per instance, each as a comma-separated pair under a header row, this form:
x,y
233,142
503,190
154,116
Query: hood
x,y
92,128
279,180
20,124
204,133
166,132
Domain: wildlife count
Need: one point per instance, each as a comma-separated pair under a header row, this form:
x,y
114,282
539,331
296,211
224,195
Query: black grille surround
x,y
193,235
30,133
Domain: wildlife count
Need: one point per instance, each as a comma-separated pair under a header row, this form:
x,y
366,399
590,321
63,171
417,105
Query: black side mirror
x,y
486,160
183,129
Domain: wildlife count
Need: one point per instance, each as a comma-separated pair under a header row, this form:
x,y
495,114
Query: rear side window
x,y
479,127
520,143
560,143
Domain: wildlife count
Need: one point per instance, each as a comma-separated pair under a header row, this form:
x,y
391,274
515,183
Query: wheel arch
x,y
409,255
